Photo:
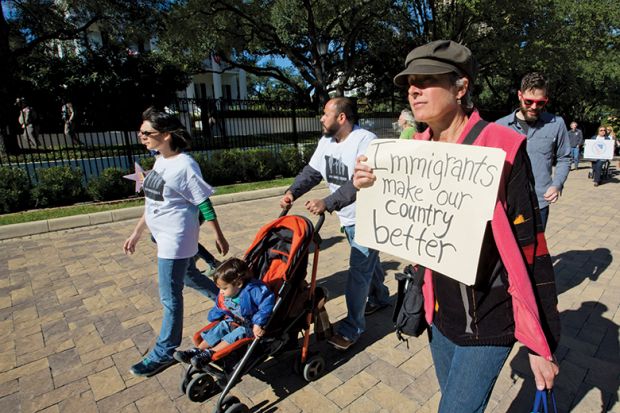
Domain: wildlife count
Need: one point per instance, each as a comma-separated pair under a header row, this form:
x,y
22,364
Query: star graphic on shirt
x,y
137,176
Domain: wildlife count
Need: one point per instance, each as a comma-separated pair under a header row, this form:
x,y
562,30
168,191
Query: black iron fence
x,y
215,125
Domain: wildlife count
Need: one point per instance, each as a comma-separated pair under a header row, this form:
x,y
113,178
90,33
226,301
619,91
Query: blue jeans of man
x,y
173,275
466,374
575,155
365,282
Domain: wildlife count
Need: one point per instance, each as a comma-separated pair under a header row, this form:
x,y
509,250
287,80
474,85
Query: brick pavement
x,y
75,313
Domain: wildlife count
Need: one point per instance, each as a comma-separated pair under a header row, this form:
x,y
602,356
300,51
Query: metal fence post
x,y
295,134
128,152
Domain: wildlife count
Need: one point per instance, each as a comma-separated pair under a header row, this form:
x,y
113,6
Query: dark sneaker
x,y
200,360
373,308
340,342
185,356
148,368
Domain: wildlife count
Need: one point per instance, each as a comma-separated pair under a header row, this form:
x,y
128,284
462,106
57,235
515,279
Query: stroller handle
x,y
317,226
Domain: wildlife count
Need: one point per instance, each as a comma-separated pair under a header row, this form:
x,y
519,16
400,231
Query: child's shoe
x,y
199,361
185,356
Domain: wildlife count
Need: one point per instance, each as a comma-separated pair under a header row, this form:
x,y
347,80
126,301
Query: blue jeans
x,y
466,374
225,331
173,275
544,216
365,281
597,170
575,155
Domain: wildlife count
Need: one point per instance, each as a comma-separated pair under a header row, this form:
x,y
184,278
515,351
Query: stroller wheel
x,y
200,387
237,408
228,402
313,368
187,377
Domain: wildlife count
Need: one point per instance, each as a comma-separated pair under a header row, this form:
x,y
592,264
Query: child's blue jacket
x,y
256,303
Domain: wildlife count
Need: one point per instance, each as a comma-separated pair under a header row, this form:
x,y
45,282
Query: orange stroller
x,y
279,257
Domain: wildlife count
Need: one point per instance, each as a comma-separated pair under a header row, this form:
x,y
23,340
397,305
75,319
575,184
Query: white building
x,y
217,82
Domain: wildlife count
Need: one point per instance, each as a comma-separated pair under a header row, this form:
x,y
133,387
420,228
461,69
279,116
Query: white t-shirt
x,y
173,190
336,160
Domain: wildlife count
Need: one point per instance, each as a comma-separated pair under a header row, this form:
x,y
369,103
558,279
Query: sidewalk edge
x,y
77,221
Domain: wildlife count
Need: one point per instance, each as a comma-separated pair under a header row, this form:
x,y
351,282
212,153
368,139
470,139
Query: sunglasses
x,y
539,102
602,130
147,133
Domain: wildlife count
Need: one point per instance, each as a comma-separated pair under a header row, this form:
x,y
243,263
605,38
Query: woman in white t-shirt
x,y
175,194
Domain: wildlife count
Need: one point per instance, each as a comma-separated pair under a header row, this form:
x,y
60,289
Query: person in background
x,y
406,122
68,117
28,120
473,328
175,193
597,165
575,137
547,140
612,135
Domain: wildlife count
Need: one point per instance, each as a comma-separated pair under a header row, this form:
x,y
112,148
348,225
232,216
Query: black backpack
x,y
408,315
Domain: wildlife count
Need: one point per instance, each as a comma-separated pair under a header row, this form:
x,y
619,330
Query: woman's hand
x,y
221,244
363,176
544,371
129,246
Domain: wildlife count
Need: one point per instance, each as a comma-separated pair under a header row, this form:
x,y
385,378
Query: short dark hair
x,y
346,106
233,270
168,123
534,80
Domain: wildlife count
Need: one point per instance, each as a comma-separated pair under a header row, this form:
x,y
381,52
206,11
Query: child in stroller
x,y
279,258
243,306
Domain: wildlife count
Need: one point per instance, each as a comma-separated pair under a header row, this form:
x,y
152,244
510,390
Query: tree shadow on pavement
x,y
589,357
573,267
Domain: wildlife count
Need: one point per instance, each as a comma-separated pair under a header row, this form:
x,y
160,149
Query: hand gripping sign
x,y
430,203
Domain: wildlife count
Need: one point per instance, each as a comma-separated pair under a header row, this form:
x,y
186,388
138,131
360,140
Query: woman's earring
x,y
458,100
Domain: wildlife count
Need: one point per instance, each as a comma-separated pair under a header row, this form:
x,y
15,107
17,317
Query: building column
x,y
243,85
217,79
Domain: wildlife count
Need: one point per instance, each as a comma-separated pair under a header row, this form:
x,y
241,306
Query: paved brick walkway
x,y
75,313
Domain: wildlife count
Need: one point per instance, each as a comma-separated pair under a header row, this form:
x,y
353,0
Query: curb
x,y
77,221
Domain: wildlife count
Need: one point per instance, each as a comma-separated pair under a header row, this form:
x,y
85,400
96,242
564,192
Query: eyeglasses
x,y
147,133
539,102
602,130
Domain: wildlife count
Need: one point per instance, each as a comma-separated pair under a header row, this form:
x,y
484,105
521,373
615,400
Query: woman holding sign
x,y
473,327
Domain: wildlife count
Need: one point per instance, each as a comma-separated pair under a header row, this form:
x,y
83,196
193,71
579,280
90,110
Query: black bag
x,y
408,315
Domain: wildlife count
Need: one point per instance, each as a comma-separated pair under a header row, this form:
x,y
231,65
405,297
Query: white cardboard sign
x,y
430,203
598,149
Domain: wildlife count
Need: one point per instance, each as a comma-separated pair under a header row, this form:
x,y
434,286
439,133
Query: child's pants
x,y
226,331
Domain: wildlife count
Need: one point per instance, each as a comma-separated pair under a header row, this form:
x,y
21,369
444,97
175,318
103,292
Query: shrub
x,y
258,165
14,189
225,167
147,163
58,185
291,161
110,185
307,150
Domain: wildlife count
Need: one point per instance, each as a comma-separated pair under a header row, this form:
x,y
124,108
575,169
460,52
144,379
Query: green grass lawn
x,y
89,208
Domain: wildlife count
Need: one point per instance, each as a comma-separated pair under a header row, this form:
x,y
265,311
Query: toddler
x,y
243,307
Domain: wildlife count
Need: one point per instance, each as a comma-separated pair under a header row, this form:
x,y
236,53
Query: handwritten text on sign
x,y
430,203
